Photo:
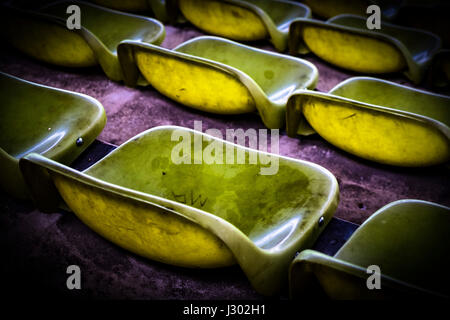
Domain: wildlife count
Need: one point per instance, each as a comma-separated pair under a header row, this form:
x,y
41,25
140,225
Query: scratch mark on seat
x,y
352,115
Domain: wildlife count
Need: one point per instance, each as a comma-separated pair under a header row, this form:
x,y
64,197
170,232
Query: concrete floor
x,y
43,245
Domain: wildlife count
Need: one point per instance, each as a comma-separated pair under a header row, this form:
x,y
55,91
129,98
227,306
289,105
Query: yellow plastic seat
x,y
219,76
345,41
44,35
377,120
202,215
55,123
408,240
245,20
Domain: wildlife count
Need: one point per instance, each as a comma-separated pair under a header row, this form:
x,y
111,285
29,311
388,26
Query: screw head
x,y
321,221
80,141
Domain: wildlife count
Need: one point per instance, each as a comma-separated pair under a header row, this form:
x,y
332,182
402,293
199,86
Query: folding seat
x,y
346,42
34,118
377,120
44,35
194,215
245,20
219,76
407,241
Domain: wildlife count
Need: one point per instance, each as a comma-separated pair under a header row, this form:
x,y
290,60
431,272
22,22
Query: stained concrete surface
x,y
40,246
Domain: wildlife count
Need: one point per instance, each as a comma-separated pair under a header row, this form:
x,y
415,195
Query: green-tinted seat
x,y
346,42
44,120
245,20
378,120
408,240
205,215
220,76
44,35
